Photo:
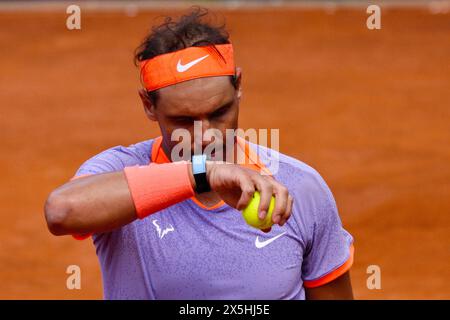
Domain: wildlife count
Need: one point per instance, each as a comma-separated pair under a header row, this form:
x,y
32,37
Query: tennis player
x,y
166,229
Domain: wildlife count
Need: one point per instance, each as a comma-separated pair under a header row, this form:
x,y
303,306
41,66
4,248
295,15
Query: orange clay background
x,y
368,109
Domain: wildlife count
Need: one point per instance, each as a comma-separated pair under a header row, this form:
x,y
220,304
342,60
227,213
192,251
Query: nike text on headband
x,y
187,64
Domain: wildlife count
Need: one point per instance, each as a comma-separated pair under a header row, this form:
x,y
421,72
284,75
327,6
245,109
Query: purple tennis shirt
x,y
188,251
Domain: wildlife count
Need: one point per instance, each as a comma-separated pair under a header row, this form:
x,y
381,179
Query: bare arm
x,y
96,203
103,202
338,289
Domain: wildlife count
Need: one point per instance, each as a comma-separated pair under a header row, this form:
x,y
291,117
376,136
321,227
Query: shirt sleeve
x,y
116,159
329,247
112,160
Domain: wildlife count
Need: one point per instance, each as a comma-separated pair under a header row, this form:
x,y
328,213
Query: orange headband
x,y
186,64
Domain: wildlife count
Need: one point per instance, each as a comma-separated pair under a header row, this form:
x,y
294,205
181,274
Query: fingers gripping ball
x,y
250,213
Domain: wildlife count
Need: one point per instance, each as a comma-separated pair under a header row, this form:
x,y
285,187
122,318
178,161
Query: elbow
x,y
58,208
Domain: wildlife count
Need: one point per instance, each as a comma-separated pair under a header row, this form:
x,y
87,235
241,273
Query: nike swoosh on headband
x,y
187,66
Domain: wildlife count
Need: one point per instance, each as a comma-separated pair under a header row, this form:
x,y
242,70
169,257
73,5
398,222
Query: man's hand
x,y
236,185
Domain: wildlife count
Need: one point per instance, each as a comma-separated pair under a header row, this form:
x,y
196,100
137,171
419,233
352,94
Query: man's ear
x,y
149,108
238,82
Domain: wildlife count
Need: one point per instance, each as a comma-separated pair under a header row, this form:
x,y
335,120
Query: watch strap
x,y
199,172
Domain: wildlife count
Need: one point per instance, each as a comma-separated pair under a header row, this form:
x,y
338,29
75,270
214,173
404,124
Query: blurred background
x,y
369,109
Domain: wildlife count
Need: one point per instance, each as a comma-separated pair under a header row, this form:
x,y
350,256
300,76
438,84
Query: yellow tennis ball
x,y
250,213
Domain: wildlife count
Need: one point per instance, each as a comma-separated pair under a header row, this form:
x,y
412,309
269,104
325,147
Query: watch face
x,y
198,163
199,171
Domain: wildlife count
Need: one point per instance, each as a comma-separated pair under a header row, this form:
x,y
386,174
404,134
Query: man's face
x,y
213,101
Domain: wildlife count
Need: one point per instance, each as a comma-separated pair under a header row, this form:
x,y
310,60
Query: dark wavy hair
x,y
190,30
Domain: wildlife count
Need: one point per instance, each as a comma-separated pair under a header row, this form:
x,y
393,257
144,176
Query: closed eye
x,y
221,111
183,120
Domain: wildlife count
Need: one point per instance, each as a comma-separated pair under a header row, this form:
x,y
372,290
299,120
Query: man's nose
x,y
205,126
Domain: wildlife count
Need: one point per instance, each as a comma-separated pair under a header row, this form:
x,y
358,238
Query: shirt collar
x,y
252,161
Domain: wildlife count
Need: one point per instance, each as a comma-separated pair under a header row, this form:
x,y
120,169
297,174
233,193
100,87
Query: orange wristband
x,y
158,186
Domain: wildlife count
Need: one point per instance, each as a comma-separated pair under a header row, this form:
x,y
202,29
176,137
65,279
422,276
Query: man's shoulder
x,y
277,160
118,157
293,172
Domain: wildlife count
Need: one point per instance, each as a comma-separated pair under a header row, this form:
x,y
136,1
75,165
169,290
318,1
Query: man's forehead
x,y
196,95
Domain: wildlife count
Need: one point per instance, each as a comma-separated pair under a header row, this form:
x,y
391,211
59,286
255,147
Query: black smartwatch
x,y
199,172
